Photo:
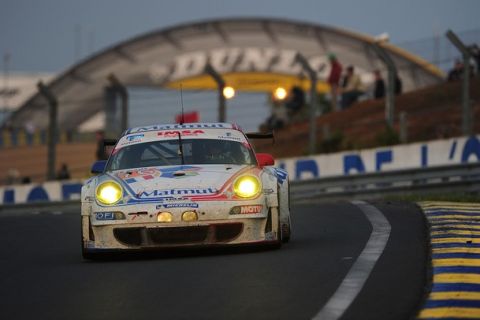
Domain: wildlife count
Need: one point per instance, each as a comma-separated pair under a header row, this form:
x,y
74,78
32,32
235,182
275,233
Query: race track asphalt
x,y
43,275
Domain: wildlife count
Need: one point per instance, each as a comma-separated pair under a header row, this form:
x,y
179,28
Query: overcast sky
x,y
39,34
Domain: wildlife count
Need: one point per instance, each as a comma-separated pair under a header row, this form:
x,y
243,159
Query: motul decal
x,y
250,209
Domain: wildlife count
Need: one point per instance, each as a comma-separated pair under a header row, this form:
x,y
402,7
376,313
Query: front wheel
x,y
285,231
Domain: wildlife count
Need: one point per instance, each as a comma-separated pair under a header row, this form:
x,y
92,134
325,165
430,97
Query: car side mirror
x,y
265,159
99,166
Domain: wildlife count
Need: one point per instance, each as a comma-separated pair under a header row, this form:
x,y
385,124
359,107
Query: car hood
x,y
186,180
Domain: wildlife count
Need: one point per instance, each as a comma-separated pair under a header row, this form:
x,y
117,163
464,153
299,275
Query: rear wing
x,y
260,135
109,142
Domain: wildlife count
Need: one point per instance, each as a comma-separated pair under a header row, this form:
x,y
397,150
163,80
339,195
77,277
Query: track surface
x,y
44,277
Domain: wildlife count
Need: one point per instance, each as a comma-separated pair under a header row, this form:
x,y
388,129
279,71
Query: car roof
x,y
176,126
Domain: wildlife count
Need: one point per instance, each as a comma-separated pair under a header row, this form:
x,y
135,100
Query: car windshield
x,y
195,151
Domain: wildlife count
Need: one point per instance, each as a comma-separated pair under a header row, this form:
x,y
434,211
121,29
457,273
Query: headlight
x,y
247,186
189,216
164,217
109,192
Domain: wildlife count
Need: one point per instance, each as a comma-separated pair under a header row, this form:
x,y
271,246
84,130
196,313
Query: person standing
x,y
353,88
379,85
334,79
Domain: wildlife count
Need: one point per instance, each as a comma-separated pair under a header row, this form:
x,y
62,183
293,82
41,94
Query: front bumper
x,y
161,235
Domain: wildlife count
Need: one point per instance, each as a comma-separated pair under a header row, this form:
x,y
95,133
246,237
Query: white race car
x,y
184,185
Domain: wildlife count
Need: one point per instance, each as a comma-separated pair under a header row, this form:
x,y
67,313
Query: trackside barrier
x,y
462,178
55,191
435,166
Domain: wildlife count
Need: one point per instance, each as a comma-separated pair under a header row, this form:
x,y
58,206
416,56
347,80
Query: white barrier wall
x,y
409,156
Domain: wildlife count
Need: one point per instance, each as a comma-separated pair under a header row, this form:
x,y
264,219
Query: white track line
x,y
361,269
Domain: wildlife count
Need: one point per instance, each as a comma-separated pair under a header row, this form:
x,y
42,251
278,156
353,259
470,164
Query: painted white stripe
x,y
361,269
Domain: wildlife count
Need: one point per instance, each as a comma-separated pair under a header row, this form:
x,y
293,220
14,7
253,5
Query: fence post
x,y
222,114
392,75
312,146
403,127
466,113
119,87
52,128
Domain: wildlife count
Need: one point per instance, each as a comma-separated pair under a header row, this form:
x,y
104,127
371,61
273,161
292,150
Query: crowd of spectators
x,y
347,88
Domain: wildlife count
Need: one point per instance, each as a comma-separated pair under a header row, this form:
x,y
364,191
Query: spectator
x,y
26,180
456,73
334,79
475,50
279,118
100,152
379,85
13,176
63,174
296,101
398,85
352,88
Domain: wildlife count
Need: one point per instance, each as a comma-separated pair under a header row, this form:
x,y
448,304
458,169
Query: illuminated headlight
x,y
109,192
164,217
189,216
247,186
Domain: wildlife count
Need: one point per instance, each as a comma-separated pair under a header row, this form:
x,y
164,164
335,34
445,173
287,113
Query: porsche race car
x,y
184,185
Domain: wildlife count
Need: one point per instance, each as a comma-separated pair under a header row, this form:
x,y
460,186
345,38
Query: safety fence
x,y
450,179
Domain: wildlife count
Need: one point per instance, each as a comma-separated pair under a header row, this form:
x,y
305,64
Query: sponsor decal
x,y
187,171
251,209
103,216
280,174
235,59
136,175
135,137
189,133
177,205
179,127
248,209
229,137
172,192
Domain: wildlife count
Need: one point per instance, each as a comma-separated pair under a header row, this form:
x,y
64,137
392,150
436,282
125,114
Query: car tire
x,y
85,254
285,232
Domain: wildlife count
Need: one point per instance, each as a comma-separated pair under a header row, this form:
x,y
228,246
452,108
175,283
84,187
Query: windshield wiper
x,y
180,147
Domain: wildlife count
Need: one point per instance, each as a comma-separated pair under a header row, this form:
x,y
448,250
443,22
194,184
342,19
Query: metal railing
x,y
463,178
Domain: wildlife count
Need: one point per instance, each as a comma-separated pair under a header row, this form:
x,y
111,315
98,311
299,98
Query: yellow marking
x,y
453,232
457,312
449,204
456,250
7,138
21,138
454,216
457,277
249,81
454,295
37,139
451,262
452,221
456,226
455,240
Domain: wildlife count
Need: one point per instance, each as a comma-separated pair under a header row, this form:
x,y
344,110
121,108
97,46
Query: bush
x,y
332,144
388,137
